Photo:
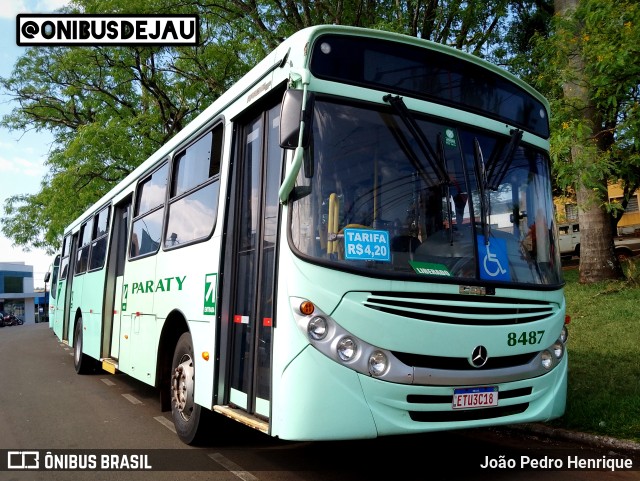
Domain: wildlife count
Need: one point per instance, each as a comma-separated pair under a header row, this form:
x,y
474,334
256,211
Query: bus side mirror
x,y
295,115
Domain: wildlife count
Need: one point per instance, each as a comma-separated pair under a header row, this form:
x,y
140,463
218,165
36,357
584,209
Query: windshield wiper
x,y
499,163
443,163
423,143
481,179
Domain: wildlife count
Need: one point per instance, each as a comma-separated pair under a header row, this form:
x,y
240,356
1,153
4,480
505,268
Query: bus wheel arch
x,y
623,254
174,326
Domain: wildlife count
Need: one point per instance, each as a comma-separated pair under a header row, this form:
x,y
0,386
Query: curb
x,y
593,440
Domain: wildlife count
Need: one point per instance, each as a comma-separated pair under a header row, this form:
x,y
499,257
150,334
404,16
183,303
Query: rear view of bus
x,y
423,271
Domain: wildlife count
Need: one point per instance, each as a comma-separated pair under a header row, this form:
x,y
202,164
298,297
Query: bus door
x,y
68,290
57,308
115,276
249,265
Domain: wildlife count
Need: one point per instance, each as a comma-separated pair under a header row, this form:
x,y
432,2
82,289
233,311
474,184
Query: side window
x,y
64,262
147,219
99,239
82,256
52,276
195,184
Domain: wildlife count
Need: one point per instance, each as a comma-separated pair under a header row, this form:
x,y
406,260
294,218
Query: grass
x,y
604,356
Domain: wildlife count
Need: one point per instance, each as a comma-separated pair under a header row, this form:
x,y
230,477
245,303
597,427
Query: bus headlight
x,y
331,339
558,349
347,348
317,328
546,360
564,335
378,363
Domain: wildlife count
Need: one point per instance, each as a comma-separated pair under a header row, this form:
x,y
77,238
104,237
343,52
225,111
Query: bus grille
x,y
461,309
462,363
470,415
466,415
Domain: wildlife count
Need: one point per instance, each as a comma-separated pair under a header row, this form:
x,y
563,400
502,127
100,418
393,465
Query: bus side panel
x,y
320,400
140,326
187,282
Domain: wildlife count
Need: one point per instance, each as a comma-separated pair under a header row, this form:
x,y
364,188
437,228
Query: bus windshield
x,y
443,203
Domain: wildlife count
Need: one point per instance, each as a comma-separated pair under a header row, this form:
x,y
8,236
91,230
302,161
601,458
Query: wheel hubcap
x,y
182,387
78,348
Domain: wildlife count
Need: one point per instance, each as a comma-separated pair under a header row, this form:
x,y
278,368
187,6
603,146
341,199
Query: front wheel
x,y
622,255
189,418
82,363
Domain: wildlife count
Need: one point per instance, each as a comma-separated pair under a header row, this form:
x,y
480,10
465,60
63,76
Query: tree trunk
x,y
597,258
598,261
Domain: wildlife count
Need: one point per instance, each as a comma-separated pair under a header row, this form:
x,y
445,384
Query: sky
x,y
22,154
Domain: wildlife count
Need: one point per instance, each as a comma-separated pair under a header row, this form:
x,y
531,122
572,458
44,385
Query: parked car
x,y
569,239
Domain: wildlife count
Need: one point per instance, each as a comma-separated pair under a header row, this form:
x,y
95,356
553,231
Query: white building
x,y
16,290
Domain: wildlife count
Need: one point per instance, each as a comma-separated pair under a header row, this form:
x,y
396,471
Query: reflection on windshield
x,y
377,203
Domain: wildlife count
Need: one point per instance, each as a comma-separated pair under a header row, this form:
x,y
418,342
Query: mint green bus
x,y
356,240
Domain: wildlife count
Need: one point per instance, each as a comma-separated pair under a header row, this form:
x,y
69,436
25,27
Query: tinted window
x,y
146,234
147,223
194,193
99,239
82,256
151,191
64,263
429,75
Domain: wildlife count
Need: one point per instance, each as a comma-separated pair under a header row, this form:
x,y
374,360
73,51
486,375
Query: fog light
x,y
317,328
347,348
546,360
378,363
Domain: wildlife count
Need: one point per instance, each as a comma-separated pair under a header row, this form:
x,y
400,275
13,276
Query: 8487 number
x,y
525,338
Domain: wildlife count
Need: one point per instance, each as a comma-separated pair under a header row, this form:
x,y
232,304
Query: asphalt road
x,y
63,422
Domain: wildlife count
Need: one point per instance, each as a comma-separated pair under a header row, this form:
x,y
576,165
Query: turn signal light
x,y
307,308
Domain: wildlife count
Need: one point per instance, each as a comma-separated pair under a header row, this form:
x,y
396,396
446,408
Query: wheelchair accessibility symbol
x,y
494,262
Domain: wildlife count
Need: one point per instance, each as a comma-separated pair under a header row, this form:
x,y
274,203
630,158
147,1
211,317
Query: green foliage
x,y
603,337
110,108
606,37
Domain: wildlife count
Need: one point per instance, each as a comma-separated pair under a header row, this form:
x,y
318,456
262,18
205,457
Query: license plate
x,y
475,397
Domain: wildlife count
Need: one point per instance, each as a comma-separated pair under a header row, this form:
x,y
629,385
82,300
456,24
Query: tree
x,y
110,108
591,75
470,26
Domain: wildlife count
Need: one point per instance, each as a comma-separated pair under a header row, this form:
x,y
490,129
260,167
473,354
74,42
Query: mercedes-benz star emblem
x,y
479,356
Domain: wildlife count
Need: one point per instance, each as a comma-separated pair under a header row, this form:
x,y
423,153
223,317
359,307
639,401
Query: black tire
x,y
189,418
623,255
82,363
